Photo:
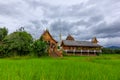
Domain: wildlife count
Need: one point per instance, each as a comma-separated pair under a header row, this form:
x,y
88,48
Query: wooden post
x,y
94,52
74,51
81,51
101,52
66,51
88,52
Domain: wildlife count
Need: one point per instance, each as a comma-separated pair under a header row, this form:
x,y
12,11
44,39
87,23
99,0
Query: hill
x,y
114,47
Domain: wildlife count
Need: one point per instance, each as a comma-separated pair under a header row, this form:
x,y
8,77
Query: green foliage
x,y
40,48
18,43
2,51
64,53
58,47
110,51
3,33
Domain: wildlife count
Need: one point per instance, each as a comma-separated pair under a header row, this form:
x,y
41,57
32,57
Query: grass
x,y
103,67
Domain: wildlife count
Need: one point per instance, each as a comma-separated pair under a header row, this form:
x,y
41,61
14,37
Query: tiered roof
x,y
69,37
79,43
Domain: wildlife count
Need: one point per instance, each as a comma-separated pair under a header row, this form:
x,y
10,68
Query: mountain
x,y
114,47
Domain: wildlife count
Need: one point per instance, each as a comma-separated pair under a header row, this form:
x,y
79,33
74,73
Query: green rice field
x,y
103,67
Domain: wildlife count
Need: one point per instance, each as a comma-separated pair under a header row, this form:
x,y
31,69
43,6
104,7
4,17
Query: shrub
x,y
40,48
18,43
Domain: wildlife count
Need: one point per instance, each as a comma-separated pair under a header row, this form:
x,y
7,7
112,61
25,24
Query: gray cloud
x,y
108,30
8,9
62,27
82,19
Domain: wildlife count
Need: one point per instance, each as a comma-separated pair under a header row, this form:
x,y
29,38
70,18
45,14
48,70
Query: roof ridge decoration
x,y
47,31
69,37
94,40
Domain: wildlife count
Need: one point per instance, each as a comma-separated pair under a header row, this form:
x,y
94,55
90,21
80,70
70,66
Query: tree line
x,y
21,43
110,51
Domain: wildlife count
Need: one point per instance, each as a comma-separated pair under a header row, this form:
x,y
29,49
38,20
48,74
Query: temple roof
x,y
94,40
79,43
47,31
69,37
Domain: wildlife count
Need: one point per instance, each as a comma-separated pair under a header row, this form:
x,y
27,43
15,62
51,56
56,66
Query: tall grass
x,y
105,67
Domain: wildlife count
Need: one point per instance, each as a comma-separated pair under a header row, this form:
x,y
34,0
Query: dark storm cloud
x,y
83,19
108,30
62,27
8,10
96,18
80,29
74,11
83,23
36,27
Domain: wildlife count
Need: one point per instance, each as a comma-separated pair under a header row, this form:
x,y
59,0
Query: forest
x,y
20,43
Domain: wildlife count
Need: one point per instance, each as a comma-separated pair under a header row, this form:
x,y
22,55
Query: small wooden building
x,y
52,43
48,38
70,46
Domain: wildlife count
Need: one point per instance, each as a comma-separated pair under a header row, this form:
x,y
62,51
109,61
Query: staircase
x,y
55,53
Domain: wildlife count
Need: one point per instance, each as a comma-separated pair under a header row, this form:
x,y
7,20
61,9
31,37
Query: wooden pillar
x,y
66,51
94,52
81,51
101,52
88,52
74,51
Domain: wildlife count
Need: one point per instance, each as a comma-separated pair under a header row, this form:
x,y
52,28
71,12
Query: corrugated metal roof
x,y
79,43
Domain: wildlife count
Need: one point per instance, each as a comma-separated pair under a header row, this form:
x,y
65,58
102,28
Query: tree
x,y
110,51
18,43
3,33
40,47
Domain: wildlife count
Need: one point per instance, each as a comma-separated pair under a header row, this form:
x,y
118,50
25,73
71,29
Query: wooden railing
x,y
83,51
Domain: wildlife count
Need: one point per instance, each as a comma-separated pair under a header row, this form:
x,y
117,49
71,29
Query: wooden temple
x,y
52,44
71,46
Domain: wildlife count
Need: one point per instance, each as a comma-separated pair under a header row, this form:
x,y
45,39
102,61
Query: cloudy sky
x,y
83,19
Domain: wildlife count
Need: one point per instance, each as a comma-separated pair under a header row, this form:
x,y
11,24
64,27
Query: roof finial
x,y
69,37
60,36
94,40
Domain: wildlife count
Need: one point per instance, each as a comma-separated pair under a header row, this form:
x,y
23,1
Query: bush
x,y
17,43
3,33
40,48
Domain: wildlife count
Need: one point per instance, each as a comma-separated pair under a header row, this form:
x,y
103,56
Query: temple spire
x,y
94,40
60,37
69,37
